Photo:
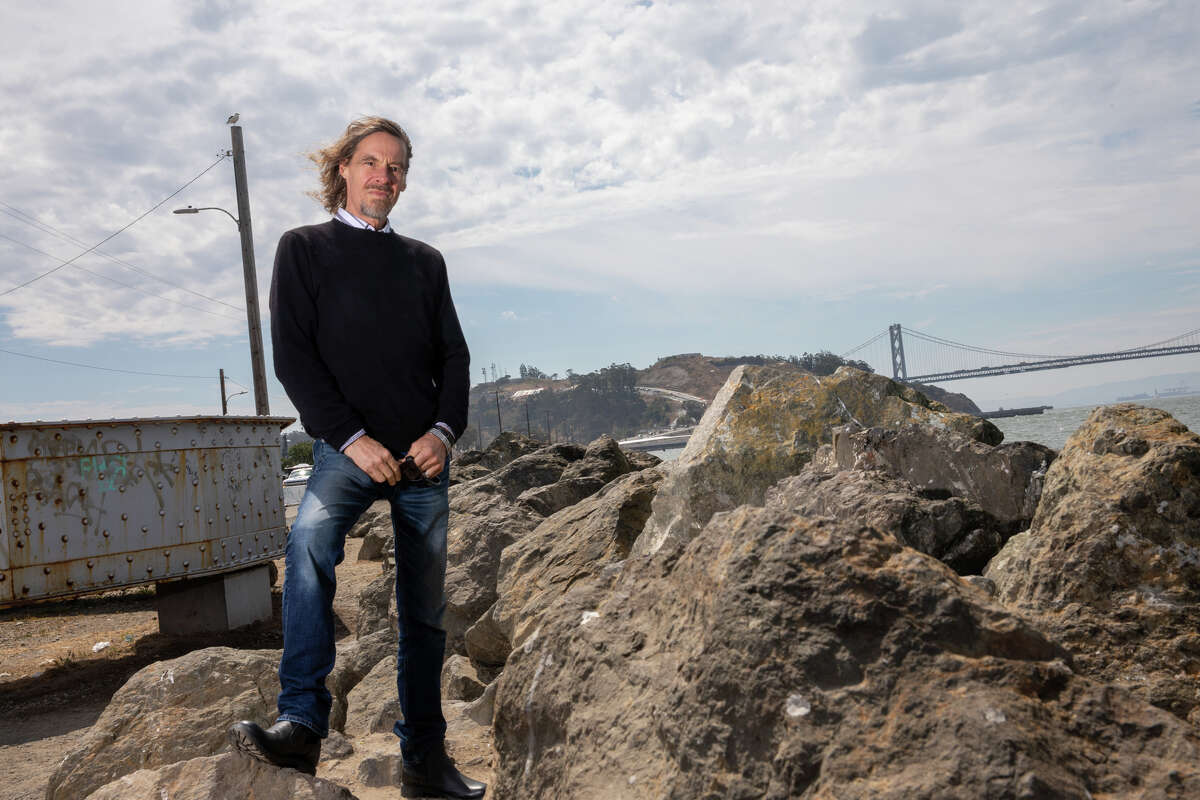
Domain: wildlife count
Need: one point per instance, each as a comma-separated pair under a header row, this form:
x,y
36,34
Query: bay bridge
x,y
940,360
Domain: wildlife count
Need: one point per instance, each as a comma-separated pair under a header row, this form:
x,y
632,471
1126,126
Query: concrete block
x,y
216,603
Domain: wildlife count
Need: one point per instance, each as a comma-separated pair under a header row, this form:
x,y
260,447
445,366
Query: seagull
x,y
232,119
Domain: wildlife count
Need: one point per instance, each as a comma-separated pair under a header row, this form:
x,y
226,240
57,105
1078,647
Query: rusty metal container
x,y
96,505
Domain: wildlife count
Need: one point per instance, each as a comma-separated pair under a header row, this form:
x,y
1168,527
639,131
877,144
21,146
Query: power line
x,y
34,222
114,280
105,369
221,158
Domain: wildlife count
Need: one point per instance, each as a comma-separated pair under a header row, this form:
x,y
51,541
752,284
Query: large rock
x,y
220,777
955,531
460,679
377,543
501,450
602,462
486,517
373,705
355,659
377,517
1004,480
486,642
170,711
1111,562
569,549
766,423
377,605
782,657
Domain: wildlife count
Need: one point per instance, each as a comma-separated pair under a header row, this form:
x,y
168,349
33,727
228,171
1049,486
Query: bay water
x,y
1052,428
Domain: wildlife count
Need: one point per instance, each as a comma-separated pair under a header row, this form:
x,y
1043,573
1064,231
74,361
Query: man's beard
x,y
376,208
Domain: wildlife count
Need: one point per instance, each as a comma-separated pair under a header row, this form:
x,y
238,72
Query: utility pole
x,y
224,402
528,427
253,318
499,424
549,433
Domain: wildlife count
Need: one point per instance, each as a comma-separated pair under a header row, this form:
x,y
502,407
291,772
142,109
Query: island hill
x,y
623,401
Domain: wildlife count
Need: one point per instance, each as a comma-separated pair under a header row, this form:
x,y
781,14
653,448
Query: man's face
x,y
374,176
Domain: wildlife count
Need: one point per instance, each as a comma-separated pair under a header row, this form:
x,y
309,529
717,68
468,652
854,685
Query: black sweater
x,y
365,335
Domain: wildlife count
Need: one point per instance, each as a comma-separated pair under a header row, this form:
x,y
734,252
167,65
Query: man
x,y
368,345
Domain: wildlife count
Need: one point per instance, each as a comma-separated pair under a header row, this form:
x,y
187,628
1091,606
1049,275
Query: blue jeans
x,y
338,493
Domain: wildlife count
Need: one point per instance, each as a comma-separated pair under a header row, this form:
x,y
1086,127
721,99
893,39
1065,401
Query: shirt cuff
x,y
443,438
361,433
446,429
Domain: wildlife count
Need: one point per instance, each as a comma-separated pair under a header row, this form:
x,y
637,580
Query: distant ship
x,y
1175,391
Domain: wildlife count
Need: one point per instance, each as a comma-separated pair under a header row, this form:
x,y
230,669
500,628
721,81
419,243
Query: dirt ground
x,y
53,686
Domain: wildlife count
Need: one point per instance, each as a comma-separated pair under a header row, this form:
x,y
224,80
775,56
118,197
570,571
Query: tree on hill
x,y
532,373
299,453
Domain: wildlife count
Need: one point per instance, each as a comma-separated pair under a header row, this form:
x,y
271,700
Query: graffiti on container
x,y
105,470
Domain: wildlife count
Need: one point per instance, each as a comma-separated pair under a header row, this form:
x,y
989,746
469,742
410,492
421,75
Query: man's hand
x,y
374,459
429,454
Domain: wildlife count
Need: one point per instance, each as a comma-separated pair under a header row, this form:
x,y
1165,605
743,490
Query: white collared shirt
x,y
345,216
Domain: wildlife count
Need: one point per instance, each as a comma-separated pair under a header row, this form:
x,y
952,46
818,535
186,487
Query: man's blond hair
x,y
332,194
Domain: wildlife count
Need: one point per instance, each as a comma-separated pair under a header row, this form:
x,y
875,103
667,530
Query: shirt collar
x,y
345,216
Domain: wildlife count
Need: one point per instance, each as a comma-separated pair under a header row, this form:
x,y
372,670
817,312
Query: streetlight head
x,y
188,210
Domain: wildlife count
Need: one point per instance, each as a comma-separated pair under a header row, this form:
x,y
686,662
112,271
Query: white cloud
x,y
754,150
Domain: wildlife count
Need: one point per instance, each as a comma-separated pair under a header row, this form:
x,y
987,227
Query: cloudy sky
x,y
609,181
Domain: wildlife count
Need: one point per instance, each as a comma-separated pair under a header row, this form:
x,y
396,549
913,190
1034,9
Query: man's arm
x,y
453,381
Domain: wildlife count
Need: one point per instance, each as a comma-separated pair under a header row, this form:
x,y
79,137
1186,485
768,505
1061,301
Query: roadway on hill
x,y
681,396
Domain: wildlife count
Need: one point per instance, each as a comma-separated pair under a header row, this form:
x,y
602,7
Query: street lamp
x,y
250,276
194,210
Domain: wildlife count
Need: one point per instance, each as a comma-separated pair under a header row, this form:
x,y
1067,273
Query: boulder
x,y
1111,562
545,500
372,705
377,605
475,544
501,450
765,424
482,708
460,681
462,474
569,549
602,462
1004,480
380,769
355,659
377,543
378,516
170,711
485,517
603,459
954,401
640,459
955,531
780,656
228,775
486,642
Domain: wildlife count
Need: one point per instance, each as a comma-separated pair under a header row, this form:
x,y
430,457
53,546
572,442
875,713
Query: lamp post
x,y
249,275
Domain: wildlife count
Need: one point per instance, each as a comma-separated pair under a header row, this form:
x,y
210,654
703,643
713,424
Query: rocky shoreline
x,y
840,589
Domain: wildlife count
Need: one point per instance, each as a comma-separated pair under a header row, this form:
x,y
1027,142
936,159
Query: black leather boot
x,y
284,744
436,776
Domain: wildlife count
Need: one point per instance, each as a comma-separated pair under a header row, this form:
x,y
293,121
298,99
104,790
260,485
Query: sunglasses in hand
x,y
409,470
